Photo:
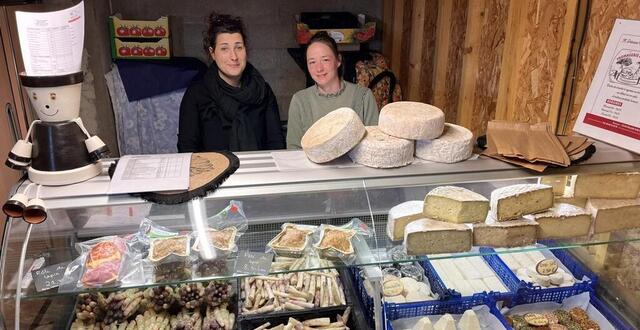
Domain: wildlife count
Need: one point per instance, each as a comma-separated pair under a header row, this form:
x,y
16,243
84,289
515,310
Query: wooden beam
x,y
512,46
398,24
387,28
564,60
415,50
443,43
475,19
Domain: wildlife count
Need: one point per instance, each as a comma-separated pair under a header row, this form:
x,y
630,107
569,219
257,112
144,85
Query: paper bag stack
x,y
533,146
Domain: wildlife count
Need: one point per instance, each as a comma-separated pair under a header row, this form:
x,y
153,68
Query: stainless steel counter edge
x,y
259,175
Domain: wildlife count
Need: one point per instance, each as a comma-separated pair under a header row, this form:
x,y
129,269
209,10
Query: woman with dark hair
x,y
330,91
232,107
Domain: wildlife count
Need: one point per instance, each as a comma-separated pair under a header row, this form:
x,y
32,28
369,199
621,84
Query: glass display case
x,y
270,196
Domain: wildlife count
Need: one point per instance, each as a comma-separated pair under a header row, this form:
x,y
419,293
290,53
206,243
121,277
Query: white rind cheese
x,y
610,185
423,324
557,182
562,221
505,233
411,120
455,204
426,236
469,321
446,322
514,201
454,145
614,214
380,150
333,135
401,215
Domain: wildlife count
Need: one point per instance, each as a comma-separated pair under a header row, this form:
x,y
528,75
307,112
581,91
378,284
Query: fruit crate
x,y
139,39
343,27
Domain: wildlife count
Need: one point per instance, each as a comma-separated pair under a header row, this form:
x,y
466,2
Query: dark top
x,y
217,116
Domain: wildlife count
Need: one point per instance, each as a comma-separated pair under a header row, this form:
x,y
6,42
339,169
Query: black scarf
x,y
233,104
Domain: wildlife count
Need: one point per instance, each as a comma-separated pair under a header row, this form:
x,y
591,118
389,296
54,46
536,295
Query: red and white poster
x,y
611,109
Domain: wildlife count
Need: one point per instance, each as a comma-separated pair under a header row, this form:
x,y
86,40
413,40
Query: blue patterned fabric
x,y
146,126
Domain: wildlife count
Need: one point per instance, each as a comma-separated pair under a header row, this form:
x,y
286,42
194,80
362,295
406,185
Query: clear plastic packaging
x,y
292,241
336,242
103,262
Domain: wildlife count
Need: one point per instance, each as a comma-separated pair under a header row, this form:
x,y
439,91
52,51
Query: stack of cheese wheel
x,y
333,135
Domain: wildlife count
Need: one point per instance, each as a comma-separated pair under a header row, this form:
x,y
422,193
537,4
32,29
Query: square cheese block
x,y
512,202
611,185
558,183
400,215
568,199
562,221
614,214
426,236
505,233
455,204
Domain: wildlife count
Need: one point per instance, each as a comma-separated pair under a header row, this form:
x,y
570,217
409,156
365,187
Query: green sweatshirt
x,y
309,105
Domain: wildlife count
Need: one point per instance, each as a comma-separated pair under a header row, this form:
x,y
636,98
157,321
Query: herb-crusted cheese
x,y
455,204
333,135
411,120
454,145
380,150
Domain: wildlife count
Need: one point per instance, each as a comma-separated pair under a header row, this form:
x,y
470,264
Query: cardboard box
x,y
140,39
364,33
120,28
141,50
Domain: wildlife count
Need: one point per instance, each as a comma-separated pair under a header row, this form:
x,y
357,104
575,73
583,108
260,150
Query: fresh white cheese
x,y
469,321
423,324
446,322
466,268
454,145
494,284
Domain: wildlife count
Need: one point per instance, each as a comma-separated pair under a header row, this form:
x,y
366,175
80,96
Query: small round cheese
x,y
454,145
381,150
409,284
333,135
395,299
411,120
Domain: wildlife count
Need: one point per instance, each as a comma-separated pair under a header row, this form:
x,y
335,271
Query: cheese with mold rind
x,y
614,214
562,221
512,202
380,150
401,215
609,185
454,145
427,236
333,135
411,120
455,204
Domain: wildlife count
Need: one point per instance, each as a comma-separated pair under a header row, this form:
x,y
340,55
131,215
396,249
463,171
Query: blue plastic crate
x,y
455,305
367,302
498,296
616,321
528,293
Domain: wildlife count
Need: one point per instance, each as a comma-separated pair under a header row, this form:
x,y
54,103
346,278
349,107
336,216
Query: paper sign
x,y
611,109
49,277
51,42
254,263
547,267
142,173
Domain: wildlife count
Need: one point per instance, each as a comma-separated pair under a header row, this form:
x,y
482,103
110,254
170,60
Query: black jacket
x,y
217,116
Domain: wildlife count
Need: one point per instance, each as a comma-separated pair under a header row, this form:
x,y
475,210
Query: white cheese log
x,y
464,287
469,272
514,201
494,284
426,236
455,204
333,135
380,150
562,221
481,266
454,145
610,185
400,215
614,214
478,285
411,120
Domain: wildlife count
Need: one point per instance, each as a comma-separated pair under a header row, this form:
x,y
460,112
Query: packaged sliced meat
x,y
104,261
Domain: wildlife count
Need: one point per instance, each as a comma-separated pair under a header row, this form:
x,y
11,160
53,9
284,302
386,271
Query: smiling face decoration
x,y
56,104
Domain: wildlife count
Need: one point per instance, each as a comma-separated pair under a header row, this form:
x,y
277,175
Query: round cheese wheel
x,y
381,150
332,135
411,120
454,145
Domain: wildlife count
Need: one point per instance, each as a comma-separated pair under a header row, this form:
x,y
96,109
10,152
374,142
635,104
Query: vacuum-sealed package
x,y
293,240
103,262
337,242
170,257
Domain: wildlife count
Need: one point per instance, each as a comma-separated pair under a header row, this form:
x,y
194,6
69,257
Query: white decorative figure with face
x,y
57,150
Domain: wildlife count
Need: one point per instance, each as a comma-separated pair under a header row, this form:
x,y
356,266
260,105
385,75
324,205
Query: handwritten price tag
x,y
547,267
254,263
49,277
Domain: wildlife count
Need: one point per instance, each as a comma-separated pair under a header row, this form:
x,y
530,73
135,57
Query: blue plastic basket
x,y
528,293
367,302
616,321
498,296
455,305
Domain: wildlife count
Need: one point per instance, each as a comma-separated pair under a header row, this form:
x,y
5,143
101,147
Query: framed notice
x,y
611,109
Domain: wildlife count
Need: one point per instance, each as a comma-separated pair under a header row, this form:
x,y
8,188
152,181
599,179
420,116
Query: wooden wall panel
x,y
481,71
536,63
449,49
424,89
602,15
